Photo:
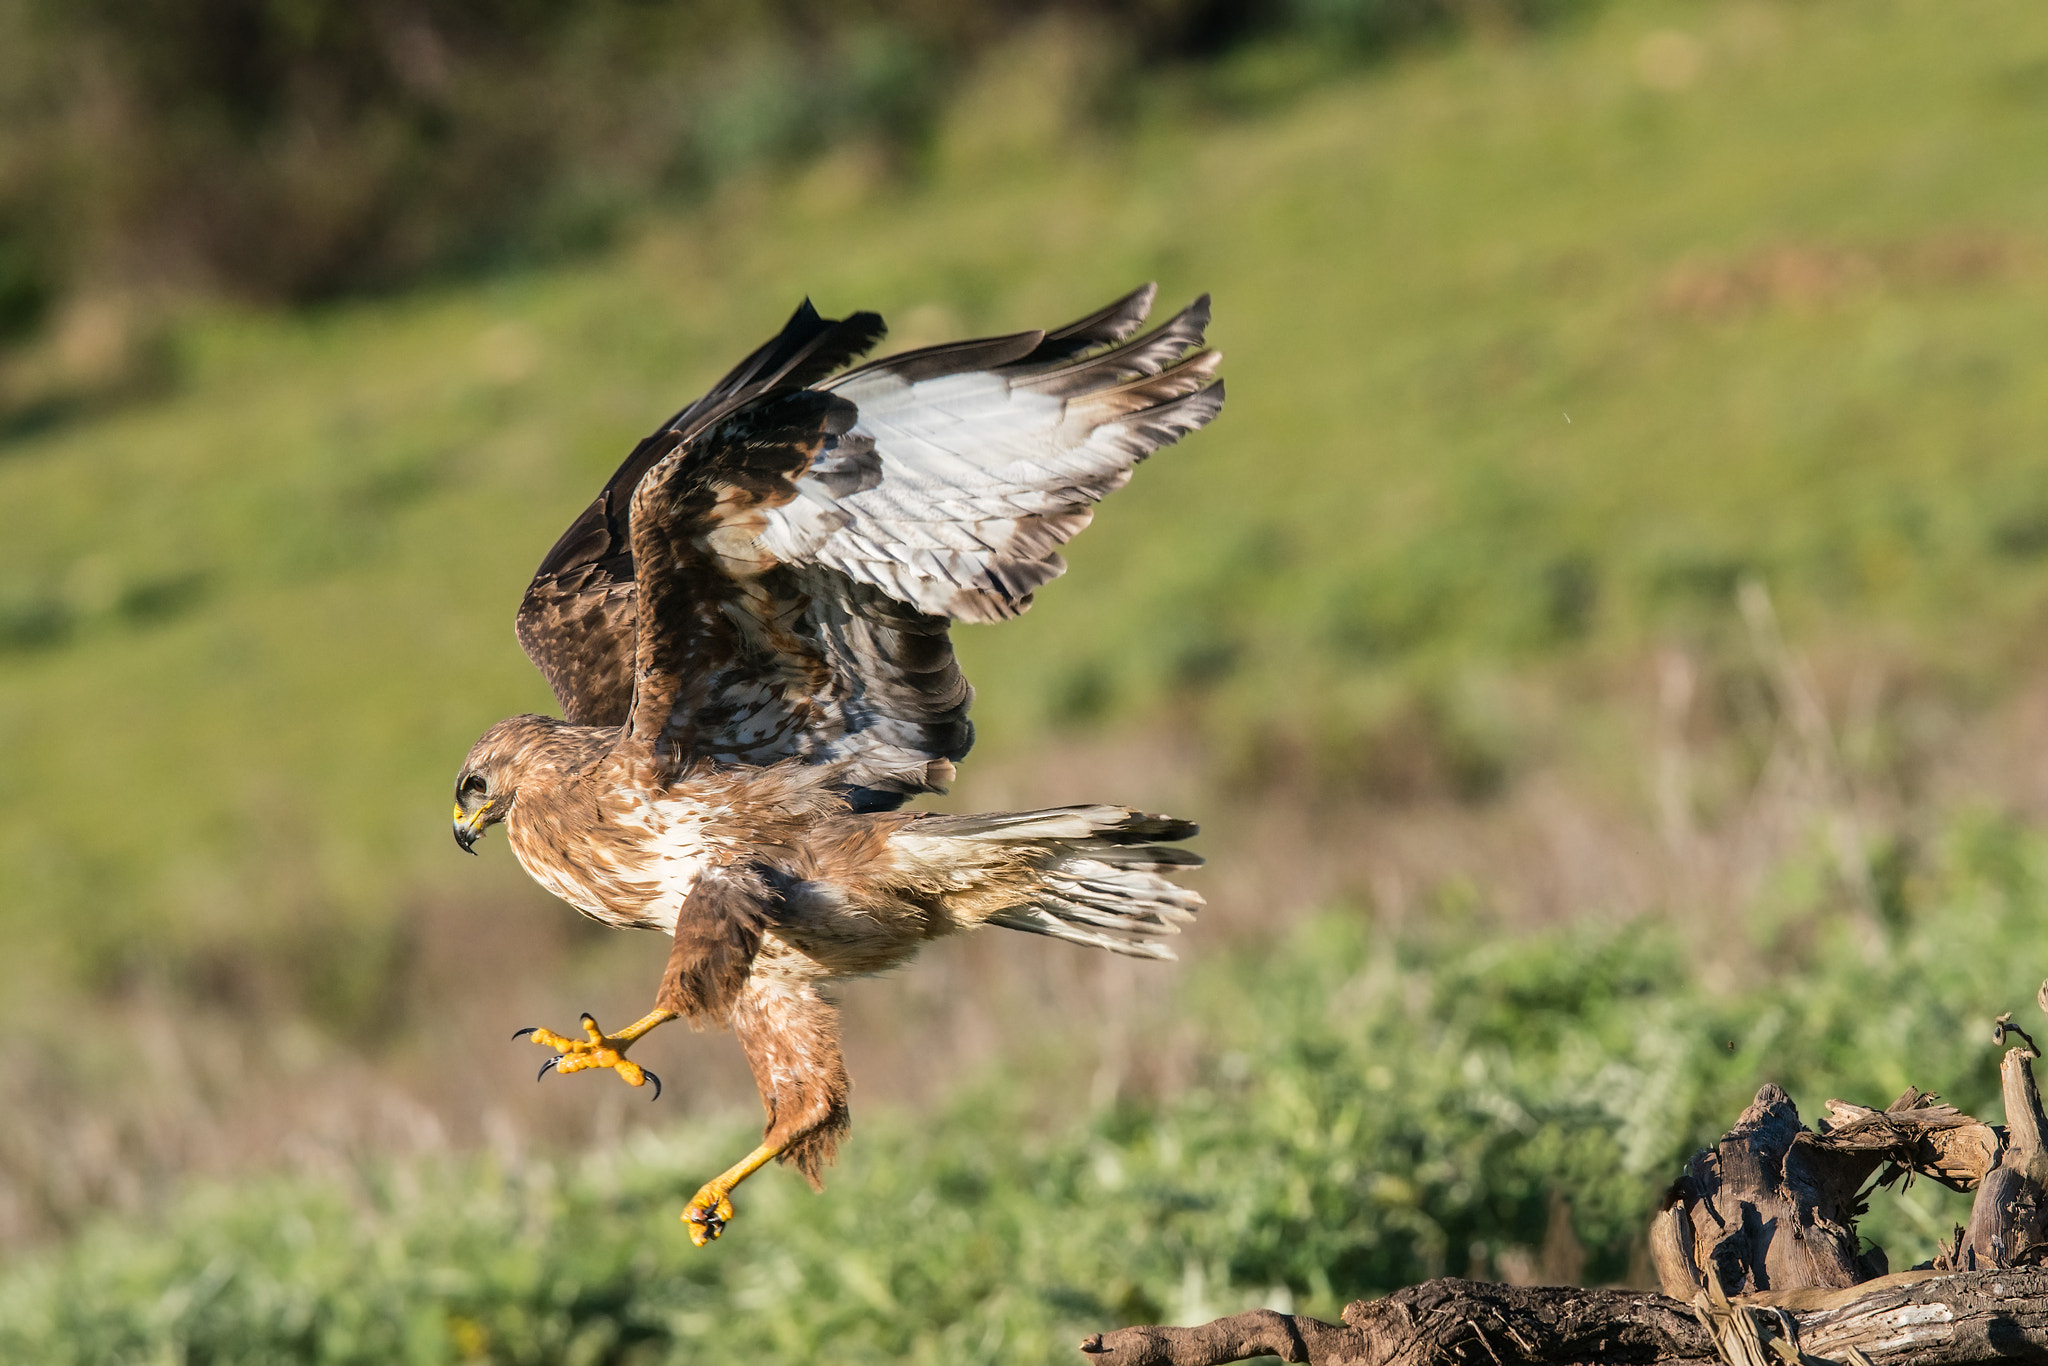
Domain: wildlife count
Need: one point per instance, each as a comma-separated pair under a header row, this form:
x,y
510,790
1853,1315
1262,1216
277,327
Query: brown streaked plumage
x,y
747,631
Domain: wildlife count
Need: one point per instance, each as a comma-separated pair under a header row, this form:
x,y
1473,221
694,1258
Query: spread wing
x,y
990,456
578,618
773,573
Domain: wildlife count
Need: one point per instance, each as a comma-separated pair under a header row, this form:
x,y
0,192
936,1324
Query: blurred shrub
x,y
297,149
26,282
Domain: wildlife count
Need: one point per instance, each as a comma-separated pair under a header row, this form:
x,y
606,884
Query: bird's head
x,y
488,782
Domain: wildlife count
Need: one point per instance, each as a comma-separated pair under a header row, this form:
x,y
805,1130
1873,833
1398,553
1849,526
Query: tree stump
x,y
1757,1254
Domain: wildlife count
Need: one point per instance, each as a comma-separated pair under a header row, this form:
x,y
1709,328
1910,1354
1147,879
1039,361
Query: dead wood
x,y
1773,1205
2006,1219
1756,1249
1920,1318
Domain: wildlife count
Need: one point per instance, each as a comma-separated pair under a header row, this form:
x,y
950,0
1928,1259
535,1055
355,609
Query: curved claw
x,y
657,1084
547,1067
705,1224
530,1029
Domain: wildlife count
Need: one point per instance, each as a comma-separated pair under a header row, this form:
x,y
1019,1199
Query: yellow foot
x,y
710,1210
599,1049
708,1214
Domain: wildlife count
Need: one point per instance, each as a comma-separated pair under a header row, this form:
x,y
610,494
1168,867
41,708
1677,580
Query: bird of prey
x,y
747,634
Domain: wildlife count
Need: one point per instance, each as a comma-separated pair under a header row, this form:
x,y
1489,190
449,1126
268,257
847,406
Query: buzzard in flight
x,y
747,633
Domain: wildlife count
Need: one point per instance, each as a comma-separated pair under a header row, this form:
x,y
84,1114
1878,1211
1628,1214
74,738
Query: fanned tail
x,y
1099,875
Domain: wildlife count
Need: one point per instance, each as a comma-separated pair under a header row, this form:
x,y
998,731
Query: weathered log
x,y
1773,1205
1254,1333
1917,1318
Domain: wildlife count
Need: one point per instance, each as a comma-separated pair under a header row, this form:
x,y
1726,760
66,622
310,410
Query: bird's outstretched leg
x,y
791,1038
600,1049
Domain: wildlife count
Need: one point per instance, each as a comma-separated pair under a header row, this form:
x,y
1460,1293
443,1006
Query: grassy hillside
x,y
1535,349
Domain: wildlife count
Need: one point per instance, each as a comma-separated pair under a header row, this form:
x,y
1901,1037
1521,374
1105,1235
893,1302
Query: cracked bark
x,y
1916,1318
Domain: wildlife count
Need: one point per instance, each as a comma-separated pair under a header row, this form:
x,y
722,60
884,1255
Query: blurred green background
x,y
1599,639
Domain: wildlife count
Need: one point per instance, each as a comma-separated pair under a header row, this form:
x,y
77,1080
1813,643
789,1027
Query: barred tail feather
x,y
1099,880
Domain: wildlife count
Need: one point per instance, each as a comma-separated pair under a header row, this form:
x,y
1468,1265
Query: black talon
x,y
547,1067
530,1029
657,1086
588,1019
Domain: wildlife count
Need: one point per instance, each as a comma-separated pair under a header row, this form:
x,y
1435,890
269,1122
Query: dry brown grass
x,y
1803,276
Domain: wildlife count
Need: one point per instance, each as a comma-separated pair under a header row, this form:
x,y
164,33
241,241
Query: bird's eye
x,y
473,785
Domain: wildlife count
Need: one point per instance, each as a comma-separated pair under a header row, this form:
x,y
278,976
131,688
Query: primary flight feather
x,y
747,631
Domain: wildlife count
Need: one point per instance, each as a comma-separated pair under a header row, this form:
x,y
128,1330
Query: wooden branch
x,y
1255,1333
1918,1134
1918,1318
2012,1202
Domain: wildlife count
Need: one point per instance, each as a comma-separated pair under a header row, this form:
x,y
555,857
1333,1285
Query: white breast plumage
x,y
632,872
669,851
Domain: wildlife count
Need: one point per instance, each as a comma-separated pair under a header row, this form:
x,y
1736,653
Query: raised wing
x,y
990,456
772,574
579,615
743,659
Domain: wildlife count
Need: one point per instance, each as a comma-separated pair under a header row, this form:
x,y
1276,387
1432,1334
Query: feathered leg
x,y
790,1035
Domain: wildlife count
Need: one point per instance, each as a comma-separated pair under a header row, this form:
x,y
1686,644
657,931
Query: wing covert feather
x,y
578,620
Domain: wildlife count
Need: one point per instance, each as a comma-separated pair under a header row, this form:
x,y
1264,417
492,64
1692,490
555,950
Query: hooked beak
x,y
469,829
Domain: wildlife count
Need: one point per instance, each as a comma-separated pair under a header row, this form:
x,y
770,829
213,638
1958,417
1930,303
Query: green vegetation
x,y
1539,347
1360,1112
312,149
